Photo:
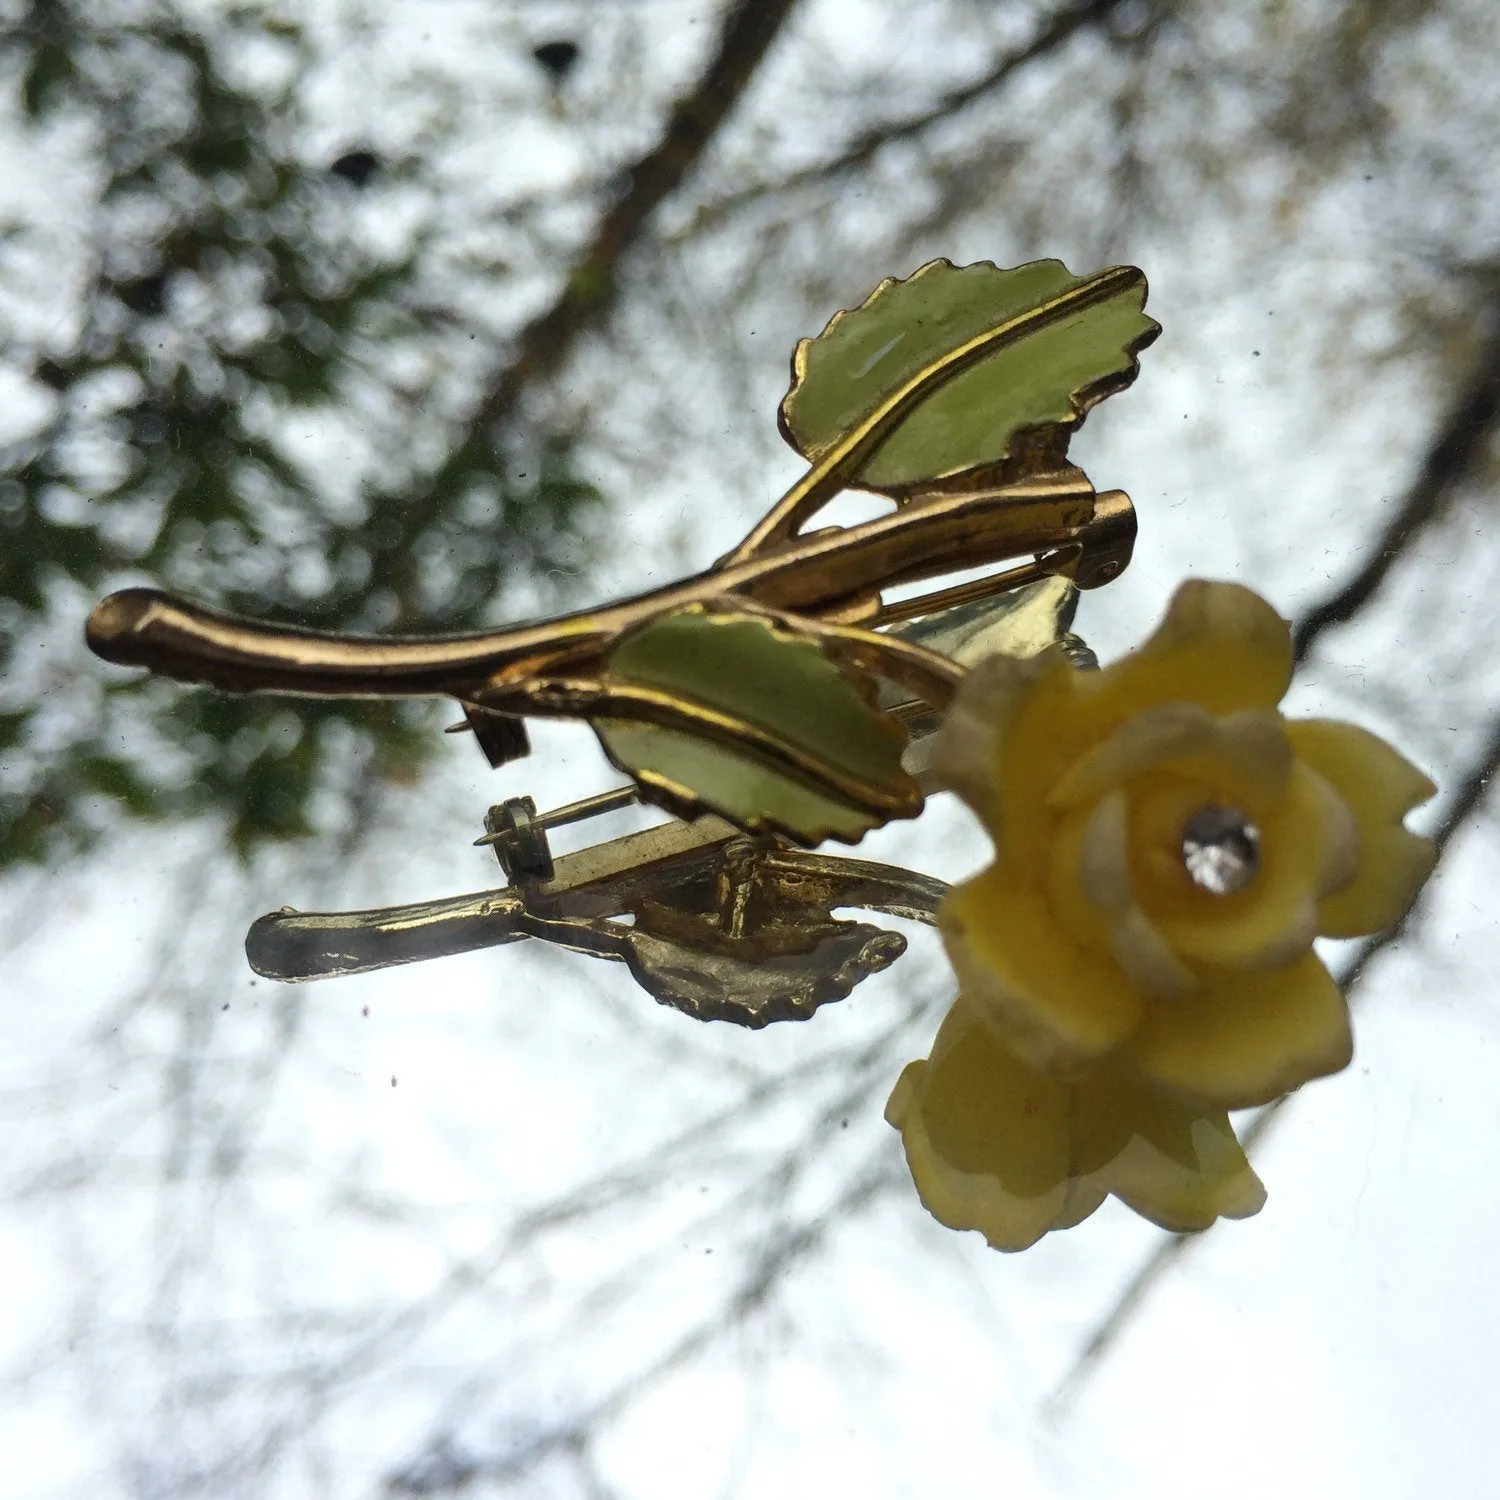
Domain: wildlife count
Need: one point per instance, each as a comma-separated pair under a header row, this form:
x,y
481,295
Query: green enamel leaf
x,y
769,679
1063,343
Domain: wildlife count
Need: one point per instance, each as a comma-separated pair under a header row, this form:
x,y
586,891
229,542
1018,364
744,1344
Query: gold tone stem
x,y
142,627
294,946
978,588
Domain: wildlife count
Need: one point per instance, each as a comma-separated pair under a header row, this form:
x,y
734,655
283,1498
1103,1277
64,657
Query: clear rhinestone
x,y
1221,849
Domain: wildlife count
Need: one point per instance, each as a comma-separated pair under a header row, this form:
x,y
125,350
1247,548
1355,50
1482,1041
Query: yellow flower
x,y
998,1146
1167,847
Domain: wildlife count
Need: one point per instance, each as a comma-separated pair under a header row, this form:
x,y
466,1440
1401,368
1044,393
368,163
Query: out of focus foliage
x,y
237,296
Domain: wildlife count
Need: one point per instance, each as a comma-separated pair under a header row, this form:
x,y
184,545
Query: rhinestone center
x,y
1220,849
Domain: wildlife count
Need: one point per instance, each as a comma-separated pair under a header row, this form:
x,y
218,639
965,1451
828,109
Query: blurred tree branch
x,y
544,345
1453,457
589,292
1054,34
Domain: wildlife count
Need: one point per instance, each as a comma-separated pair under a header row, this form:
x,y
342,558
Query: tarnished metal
x,y
720,926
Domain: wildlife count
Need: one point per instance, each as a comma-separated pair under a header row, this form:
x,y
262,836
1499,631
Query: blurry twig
x,y
1466,802
1453,456
441,1471
589,292
1060,29
857,1071
543,345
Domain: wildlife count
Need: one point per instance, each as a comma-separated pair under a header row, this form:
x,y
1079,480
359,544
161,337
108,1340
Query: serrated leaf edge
x,y
1082,400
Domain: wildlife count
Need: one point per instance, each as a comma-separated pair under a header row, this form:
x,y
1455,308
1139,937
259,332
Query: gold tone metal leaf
x,y
839,774
1038,348
752,988
1021,623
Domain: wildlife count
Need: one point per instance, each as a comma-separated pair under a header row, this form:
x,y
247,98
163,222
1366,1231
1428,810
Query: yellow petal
x,y
1018,728
1054,1001
1103,870
1220,646
1218,1183
1340,834
986,1137
996,1146
1083,1197
964,756
1102,876
1379,786
1148,959
1004,742
1176,1164
1246,753
1247,1036
1164,732
1249,758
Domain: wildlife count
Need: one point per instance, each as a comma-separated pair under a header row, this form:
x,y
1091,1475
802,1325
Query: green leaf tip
x,y
998,368
841,773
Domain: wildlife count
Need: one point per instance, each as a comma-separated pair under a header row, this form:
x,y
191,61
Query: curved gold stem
x,y
816,576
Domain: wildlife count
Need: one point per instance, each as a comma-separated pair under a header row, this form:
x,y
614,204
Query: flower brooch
x,y
1138,958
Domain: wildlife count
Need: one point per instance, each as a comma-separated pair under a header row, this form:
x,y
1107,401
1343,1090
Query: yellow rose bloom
x,y
997,1146
1167,846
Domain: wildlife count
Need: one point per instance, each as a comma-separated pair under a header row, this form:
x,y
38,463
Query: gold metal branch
x,y
785,687
832,575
